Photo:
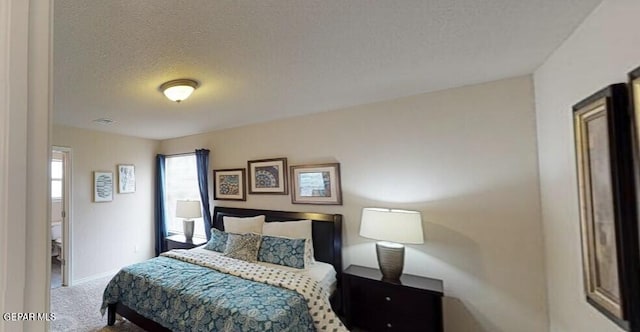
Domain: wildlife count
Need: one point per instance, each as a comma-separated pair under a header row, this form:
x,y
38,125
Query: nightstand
x,y
371,304
178,241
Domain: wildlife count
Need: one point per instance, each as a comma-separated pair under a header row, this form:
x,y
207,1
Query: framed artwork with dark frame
x,y
268,176
316,184
229,184
606,200
102,186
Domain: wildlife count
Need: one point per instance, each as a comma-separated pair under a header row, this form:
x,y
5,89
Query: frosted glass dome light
x,y
179,90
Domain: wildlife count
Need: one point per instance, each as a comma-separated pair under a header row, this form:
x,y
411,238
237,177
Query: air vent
x,y
103,121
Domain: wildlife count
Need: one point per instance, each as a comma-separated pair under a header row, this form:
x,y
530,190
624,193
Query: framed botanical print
x,y
102,186
268,176
605,190
316,184
229,184
126,179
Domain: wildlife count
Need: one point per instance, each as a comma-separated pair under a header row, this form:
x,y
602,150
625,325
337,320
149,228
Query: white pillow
x,y
243,225
300,229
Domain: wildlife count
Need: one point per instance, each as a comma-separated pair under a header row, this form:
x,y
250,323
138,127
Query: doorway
x,y
60,178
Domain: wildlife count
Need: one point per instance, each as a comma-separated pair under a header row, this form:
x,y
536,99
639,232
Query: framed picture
x,y
268,176
102,186
316,184
631,233
634,85
229,184
126,179
605,190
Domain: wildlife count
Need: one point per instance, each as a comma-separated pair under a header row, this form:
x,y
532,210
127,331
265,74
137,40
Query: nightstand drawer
x,y
380,307
375,305
390,297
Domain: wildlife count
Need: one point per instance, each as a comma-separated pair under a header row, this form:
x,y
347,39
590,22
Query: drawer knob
x,y
388,299
389,325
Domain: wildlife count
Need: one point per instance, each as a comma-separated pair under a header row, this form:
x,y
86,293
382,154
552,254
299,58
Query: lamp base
x,y
390,260
187,228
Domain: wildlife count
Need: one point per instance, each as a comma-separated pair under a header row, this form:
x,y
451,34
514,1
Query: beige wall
x,y
105,235
465,158
600,52
24,140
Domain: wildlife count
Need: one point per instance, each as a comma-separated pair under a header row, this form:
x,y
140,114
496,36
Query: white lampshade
x,y
188,209
179,90
400,226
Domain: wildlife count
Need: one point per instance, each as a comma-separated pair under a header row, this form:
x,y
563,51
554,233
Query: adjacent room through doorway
x,y
60,180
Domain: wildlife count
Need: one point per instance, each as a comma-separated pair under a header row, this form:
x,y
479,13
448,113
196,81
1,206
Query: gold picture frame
x,y
634,86
605,188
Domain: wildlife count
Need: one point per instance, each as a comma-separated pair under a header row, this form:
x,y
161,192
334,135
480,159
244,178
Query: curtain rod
x,y
179,154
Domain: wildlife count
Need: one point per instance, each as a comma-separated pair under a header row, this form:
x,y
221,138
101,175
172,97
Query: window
x,y
181,176
56,179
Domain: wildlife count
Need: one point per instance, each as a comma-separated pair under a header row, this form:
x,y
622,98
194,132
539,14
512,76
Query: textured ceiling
x,y
262,60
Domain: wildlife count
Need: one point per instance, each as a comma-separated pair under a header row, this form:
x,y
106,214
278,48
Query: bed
x,y
282,303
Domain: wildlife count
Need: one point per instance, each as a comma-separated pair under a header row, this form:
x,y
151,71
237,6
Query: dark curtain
x,y
161,226
202,160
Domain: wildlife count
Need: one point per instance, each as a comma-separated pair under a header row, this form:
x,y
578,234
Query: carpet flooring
x,y
77,309
56,273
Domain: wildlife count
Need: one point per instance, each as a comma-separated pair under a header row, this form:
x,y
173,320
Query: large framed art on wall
x,y
606,199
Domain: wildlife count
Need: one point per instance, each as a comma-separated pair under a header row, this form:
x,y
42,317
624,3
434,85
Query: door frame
x,y
67,220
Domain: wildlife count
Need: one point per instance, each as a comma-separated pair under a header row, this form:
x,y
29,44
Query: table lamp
x,y
393,228
188,210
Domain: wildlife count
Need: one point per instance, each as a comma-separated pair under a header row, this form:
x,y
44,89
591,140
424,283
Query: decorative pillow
x,y
218,240
282,251
243,225
300,229
309,256
243,246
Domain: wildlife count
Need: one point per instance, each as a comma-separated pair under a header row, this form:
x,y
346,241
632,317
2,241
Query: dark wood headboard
x,y
326,228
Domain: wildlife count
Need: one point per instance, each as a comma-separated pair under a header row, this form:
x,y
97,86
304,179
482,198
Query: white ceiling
x,y
262,60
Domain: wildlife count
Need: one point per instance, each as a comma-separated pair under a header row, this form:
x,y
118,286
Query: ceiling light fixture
x,y
178,90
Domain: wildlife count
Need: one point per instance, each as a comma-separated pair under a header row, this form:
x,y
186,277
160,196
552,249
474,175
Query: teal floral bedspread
x,y
188,297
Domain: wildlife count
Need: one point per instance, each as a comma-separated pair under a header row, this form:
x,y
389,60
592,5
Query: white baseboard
x,y
94,277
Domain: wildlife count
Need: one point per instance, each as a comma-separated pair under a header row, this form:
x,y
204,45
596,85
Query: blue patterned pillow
x,y
218,240
282,251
